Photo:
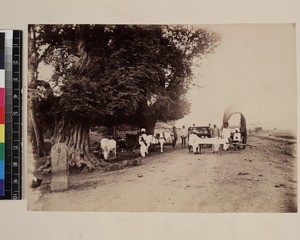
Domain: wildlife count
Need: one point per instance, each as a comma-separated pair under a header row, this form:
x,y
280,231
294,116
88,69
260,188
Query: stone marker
x,y
59,167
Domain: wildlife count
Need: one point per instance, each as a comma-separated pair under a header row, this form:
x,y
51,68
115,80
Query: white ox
x,y
196,141
159,138
108,145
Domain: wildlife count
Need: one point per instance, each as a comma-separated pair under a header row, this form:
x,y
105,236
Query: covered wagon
x,y
239,132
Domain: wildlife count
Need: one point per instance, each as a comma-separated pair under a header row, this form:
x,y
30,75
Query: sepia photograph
x,y
162,118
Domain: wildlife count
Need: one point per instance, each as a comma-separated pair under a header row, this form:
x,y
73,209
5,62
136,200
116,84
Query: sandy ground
x,y
261,180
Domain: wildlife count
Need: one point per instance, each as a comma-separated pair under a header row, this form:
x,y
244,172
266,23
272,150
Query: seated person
x,y
237,135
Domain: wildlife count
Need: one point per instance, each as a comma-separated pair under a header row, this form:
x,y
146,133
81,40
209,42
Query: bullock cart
x,y
236,145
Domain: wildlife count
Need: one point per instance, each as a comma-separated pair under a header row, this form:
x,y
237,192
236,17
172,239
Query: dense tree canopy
x,y
115,74
130,73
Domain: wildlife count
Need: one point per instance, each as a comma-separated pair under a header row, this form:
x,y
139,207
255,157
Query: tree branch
x,y
45,53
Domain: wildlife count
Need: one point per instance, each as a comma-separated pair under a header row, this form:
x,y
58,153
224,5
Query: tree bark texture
x,y
36,135
75,134
146,119
37,139
150,125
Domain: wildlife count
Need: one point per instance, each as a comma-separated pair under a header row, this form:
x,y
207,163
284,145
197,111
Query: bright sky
x,y
253,67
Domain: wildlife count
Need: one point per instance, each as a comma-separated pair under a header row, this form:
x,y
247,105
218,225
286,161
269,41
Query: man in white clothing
x,y
226,132
184,134
215,133
143,142
194,142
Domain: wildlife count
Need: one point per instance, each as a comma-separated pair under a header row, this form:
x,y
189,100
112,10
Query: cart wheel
x,y
244,142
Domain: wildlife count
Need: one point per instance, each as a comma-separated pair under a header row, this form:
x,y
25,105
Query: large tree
x,y
159,58
106,75
88,93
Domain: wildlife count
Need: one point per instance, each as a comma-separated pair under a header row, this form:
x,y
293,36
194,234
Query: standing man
x,y
226,132
193,127
184,134
143,142
189,133
175,137
210,129
215,133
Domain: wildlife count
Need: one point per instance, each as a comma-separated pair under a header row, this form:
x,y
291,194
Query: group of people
x,y
144,141
227,134
185,134
210,132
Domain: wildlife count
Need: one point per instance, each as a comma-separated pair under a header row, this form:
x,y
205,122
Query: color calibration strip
x,y
2,112
15,111
13,123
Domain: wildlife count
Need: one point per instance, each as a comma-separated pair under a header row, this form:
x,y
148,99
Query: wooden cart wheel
x,y
244,141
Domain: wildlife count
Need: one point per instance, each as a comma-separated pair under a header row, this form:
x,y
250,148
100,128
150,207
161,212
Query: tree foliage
x,y
114,74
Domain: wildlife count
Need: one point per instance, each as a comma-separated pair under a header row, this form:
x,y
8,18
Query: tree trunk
x,y
31,136
75,134
36,134
37,139
146,119
150,125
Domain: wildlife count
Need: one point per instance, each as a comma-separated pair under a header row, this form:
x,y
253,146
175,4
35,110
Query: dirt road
x,y
263,180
